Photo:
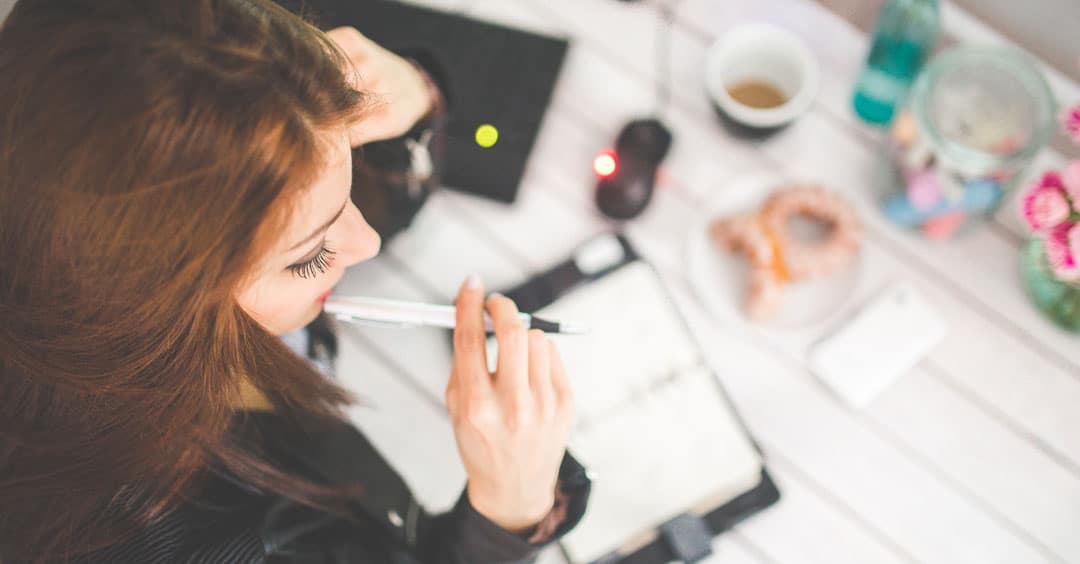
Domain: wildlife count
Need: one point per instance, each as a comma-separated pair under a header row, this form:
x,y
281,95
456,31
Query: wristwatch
x,y
421,166
394,177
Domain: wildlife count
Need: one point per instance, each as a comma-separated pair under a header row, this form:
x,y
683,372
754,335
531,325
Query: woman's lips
x,y
323,296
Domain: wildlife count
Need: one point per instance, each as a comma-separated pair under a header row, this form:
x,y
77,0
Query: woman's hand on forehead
x,y
401,94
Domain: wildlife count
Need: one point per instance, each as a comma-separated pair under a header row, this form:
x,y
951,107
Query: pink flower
x,y
1063,249
1051,179
1071,179
1045,206
1074,240
1070,122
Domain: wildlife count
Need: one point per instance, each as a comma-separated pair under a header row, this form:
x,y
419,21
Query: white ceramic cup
x,y
767,53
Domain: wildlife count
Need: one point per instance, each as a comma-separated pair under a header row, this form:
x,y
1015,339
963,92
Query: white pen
x,y
400,314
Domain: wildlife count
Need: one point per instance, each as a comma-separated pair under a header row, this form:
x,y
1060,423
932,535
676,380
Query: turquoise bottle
x,y
905,36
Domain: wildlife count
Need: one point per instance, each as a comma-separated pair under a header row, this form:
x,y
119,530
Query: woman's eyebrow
x,y
323,227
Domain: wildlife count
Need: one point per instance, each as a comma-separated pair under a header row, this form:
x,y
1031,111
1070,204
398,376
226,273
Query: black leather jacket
x,y
233,522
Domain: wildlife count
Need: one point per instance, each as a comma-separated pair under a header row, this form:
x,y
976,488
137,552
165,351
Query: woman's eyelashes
x,y
314,266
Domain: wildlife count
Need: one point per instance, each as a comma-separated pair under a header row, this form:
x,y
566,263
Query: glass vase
x,y
976,118
1058,299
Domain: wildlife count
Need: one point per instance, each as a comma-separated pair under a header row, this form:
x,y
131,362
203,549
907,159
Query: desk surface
x,y
973,456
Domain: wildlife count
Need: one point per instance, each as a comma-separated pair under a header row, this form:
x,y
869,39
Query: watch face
x,y
421,165
392,179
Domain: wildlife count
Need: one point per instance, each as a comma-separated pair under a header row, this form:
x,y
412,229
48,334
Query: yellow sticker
x,y
486,135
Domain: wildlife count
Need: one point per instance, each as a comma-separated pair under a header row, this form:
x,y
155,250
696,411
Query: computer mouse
x,y
626,186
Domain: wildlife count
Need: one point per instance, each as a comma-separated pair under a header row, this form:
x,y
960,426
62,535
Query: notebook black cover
x,y
545,288
494,75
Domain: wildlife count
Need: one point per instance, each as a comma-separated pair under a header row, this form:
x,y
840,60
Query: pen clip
x,y
374,323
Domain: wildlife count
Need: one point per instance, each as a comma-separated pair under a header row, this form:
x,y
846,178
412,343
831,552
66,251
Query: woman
x,y
174,182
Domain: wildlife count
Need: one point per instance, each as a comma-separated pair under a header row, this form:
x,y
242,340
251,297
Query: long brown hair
x,y
148,148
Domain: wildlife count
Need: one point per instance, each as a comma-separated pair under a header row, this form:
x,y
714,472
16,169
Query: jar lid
x,y
983,108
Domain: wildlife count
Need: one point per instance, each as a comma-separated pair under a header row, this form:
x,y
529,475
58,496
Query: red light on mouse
x,y
604,164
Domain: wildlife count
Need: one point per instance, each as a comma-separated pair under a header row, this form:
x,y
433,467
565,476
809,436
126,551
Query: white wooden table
x,y
974,456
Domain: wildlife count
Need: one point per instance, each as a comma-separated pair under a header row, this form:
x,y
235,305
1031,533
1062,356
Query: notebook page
x,y
652,426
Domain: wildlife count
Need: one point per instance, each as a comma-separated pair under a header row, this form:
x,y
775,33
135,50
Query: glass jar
x,y
1058,299
975,119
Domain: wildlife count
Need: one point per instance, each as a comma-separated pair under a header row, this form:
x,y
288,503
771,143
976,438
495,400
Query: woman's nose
x,y
360,241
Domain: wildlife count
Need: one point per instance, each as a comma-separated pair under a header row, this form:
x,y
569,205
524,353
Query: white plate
x,y
720,279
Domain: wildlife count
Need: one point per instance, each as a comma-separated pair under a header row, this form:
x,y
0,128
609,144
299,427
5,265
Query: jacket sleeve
x,y
235,523
388,518
294,534
464,536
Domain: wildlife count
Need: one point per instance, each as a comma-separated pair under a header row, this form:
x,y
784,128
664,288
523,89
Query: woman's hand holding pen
x,y
511,425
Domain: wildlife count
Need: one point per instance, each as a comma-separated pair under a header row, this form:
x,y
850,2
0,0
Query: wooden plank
x,y
529,223
1034,392
912,478
798,530
1023,501
593,78
1012,476
731,549
791,414
1032,401
423,247
831,405
816,134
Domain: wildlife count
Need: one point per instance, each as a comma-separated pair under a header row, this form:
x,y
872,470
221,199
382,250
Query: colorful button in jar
x,y
976,118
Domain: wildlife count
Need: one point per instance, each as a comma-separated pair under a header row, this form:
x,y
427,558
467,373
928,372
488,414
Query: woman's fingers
x,y
512,371
470,355
357,49
356,45
540,369
560,383
527,366
511,440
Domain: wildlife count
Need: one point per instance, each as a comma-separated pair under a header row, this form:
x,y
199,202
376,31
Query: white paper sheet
x,y
653,426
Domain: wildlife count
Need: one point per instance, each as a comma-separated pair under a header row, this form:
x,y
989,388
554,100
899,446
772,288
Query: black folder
x,y
492,75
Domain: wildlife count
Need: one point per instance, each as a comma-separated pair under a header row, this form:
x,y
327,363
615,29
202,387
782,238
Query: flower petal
x,y
1062,259
1045,207
1071,178
1051,179
1070,122
1073,238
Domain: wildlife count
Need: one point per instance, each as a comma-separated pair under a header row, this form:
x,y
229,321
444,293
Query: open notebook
x,y
653,425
